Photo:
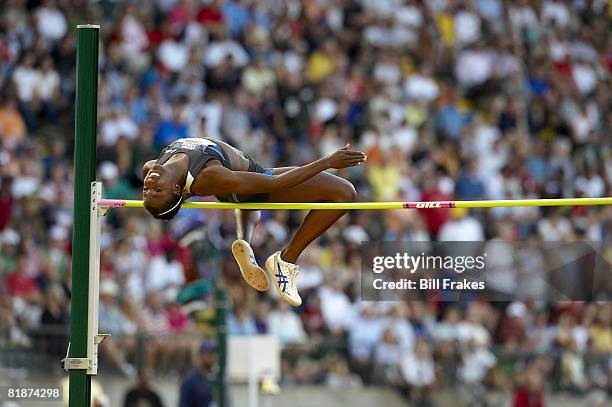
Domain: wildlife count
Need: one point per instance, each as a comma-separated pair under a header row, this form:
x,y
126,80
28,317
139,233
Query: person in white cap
x,y
206,167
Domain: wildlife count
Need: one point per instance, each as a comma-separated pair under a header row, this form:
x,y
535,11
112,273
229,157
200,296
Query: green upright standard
x,y
84,175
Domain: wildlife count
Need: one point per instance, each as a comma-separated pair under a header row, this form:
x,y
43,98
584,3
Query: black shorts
x,y
254,166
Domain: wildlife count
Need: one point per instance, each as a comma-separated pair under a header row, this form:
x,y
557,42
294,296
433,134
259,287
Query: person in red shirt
x,y
434,218
21,285
211,17
528,392
512,332
6,201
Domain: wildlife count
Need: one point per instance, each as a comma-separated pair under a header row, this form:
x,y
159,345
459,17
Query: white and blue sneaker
x,y
250,270
284,275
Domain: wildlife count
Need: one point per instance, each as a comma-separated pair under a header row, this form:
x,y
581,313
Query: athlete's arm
x,y
217,179
146,167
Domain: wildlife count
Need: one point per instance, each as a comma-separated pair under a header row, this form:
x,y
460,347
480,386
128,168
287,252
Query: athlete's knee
x,y
345,192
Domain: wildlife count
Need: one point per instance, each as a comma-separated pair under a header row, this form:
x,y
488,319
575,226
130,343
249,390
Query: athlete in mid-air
x,y
206,167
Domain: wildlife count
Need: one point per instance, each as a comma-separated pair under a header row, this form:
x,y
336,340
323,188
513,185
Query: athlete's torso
x,y
199,152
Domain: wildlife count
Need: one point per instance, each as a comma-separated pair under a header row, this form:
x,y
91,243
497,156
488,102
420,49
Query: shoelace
x,y
293,275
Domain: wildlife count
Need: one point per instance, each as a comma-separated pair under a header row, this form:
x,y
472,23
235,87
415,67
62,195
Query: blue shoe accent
x,y
282,279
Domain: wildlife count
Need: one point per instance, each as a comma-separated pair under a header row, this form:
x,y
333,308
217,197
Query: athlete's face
x,y
159,187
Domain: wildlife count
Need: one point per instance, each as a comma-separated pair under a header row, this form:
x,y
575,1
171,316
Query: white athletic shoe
x,y
284,275
252,273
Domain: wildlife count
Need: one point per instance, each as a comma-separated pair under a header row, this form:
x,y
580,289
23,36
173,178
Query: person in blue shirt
x,y
469,185
237,17
197,387
170,130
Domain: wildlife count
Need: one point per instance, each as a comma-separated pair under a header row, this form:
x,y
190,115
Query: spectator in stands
x,y
461,227
601,331
447,328
528,388
241,322
477,362
286,325
160,347
170,130
513,329
165,271
51,21
335,306
197,387
340,376
142,394
6,202
20,284
385,360
418,372
365,331
12,125
122,340
55,320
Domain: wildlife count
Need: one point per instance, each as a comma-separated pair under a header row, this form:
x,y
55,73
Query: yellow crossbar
x,y
120,203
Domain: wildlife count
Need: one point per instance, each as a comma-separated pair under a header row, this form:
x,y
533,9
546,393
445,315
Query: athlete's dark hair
x,y
168,210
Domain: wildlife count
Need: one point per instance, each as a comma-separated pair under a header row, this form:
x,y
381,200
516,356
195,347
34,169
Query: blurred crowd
x,y
451,99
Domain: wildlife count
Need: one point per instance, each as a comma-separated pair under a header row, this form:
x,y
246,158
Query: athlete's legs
x,y
245,223
252,273
323,187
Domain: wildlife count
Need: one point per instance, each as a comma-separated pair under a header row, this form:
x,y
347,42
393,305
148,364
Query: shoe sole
x,y
252,274
270,269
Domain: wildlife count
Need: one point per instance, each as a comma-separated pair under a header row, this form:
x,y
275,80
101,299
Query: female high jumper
x,y
206,167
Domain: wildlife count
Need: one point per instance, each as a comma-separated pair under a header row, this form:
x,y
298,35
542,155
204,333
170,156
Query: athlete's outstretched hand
x,y
345,158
